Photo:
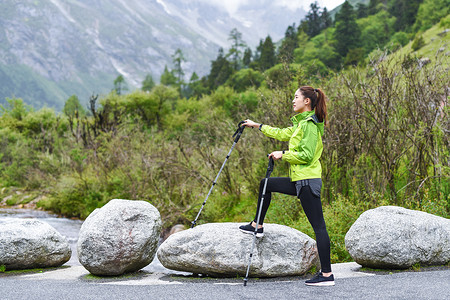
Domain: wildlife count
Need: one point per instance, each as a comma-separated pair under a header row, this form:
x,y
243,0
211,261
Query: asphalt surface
x,y
74,283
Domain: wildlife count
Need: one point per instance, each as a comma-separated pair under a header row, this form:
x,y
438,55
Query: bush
x,y
418,42
244,79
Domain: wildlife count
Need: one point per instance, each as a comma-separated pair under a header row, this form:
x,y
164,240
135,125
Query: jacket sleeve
x,y
304,152
277,133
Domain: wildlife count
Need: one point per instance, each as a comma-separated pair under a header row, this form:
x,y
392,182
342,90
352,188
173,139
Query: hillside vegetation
x,y
387,142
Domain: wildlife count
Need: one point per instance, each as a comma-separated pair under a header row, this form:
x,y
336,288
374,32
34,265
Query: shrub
x,y
418,42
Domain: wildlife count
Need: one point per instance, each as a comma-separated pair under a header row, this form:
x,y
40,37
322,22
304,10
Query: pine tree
x,y
235,51
221,70
405,11
257,56
178,59
361,11
73,107
167,78
268,58
376,5
247,59
258,50
290,42
148,83
325,19
120,85
347,33
313,20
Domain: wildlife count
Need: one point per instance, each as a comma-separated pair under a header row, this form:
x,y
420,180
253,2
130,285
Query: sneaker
x,y
250,229
320,280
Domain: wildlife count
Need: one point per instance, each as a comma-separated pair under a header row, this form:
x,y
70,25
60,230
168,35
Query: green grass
x,y
433,42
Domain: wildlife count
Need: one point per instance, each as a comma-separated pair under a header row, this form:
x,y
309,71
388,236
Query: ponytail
x,y
318,102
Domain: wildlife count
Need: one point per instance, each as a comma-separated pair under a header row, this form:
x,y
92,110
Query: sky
x,y
233,5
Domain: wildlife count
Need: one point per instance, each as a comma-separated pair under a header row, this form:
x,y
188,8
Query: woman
x,y
304,181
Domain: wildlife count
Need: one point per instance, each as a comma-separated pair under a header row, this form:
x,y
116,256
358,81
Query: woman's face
x,y
299,103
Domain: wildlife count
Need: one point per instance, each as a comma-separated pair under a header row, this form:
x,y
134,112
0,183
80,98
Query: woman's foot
x,y
250,229
320,279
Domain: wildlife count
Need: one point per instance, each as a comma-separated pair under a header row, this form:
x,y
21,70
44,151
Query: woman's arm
x,y
283,134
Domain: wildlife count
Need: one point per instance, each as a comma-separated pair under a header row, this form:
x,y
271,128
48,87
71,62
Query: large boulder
x,y
395,237
31,243
220,249
120,237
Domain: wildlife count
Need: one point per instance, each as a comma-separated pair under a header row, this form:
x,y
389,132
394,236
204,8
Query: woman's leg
x,y
282,185
313,210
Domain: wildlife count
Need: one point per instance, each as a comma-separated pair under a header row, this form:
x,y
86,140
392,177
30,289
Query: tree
x,y
418,42
120,85
268,58
290,42
73,107
325,19
221,70
430,12
347,33
377,30
245,78
354,56
373,7
247,59
195,88
168,78
148,83
361,11
313,20
235,51
257,55
405,11
178,59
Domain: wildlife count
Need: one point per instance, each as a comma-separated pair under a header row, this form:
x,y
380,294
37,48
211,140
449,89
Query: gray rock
x,y
30,243
220,249
423,62
395,237
120,237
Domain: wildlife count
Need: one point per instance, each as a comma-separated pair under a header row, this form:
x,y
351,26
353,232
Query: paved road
x,y
71,283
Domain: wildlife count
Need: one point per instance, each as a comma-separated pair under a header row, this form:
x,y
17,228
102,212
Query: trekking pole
x,y
237,134
269,171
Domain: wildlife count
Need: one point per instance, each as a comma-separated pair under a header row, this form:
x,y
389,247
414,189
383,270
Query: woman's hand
x,y
250,123
276,155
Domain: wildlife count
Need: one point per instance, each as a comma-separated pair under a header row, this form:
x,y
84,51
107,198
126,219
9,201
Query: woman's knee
x,y
320,230
261,184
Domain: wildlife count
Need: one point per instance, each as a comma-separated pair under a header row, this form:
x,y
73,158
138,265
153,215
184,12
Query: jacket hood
x,y
321,127
309,114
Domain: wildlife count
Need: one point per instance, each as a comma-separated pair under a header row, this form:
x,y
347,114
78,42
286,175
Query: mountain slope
x,y
354,3
51,49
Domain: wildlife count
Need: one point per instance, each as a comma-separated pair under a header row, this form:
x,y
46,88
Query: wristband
x,y
260,125
284,151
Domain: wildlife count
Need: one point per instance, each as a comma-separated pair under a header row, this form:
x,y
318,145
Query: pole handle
x,y
239,131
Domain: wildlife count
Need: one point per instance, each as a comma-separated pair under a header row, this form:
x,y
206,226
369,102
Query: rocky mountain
x,y
51,49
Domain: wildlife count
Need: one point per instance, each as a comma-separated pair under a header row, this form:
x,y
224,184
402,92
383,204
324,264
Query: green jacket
x,y
305,145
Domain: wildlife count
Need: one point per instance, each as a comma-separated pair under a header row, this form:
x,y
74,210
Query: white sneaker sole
x,y
252,232
323,283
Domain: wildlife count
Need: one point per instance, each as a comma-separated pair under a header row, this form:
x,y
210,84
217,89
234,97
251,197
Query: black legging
x,y
311,205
